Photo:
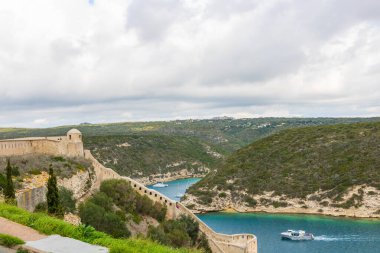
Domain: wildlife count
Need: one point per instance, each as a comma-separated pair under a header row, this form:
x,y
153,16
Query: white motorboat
x,y
160,185
296,235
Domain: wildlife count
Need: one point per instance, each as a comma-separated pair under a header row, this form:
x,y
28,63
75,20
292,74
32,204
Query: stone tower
x,y
74,143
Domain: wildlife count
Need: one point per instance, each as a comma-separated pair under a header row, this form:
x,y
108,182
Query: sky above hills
x,y
73,61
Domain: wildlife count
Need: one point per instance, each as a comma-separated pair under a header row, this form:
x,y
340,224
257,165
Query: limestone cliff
x,y
359,201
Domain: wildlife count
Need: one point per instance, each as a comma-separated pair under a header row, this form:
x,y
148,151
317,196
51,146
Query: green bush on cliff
x,y
108,209
183,232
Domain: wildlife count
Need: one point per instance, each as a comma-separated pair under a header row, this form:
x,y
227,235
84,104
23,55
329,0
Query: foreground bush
x,y
50,225
109,209
183,232
10,241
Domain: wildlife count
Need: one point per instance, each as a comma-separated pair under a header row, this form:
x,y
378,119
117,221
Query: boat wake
x,y
350,238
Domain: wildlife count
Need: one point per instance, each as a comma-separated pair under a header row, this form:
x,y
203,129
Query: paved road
x,y
23,232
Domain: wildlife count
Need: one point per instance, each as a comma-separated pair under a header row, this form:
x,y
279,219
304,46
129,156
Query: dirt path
x,y
23,232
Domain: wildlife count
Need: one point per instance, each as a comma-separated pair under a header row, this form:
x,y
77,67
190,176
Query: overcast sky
x,y
73,61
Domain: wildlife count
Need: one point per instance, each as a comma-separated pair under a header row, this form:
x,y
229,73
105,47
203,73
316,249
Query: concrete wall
x,y
219,243
30,198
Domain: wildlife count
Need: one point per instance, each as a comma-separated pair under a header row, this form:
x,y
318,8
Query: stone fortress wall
x,y
72,145
69,145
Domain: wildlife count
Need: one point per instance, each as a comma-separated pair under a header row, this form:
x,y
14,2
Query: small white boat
x,y
297,235
160,185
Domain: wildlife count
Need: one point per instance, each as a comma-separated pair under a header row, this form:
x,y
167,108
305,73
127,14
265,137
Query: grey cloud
x,y
311,58
152,18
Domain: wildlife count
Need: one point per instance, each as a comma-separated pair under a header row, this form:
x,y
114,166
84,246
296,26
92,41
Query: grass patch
x,y
10,241
49,225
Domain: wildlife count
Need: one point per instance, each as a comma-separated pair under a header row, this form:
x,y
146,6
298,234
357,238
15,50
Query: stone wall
x,y
60,145
219,243
30,198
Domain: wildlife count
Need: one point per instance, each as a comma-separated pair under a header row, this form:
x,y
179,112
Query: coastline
x,y
234,211
295,211
183,174
368,209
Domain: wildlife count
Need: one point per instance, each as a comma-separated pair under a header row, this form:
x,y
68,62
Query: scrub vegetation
x,y
298,162
50,225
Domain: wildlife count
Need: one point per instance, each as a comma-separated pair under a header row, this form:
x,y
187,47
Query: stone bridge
x,y
219,243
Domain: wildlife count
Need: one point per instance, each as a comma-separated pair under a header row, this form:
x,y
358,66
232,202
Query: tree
x,y
9,191
67,200
52,196
103,220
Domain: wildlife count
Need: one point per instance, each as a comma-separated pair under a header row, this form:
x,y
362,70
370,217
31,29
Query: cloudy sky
x,y
73,61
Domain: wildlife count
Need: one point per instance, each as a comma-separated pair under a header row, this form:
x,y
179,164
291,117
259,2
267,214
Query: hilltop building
x,y
70,145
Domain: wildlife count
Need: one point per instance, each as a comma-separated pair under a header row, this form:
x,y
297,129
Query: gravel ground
x,y
23,232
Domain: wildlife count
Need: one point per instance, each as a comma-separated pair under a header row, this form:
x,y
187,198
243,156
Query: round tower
x,y
74,143
74,135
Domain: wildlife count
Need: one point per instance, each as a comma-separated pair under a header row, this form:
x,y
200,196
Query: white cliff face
x,y
79,183
369,206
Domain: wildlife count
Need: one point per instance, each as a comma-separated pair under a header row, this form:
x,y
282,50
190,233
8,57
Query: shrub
x,y
34,171
103,220
183,232
10,241
22,251
41,207
222,195
250,201
277,204
67,200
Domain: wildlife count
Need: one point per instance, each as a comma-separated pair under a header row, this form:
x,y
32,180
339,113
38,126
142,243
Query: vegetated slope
x,y
313,163
25,166
50,225
164,144
143,155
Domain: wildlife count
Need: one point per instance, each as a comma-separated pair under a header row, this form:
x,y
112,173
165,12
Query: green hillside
x,y
158,144
298,162
143,155
230,134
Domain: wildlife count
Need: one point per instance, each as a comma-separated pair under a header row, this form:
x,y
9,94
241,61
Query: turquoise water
x,y
176,187
333,235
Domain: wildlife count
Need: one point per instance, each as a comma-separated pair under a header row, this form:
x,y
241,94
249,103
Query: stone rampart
x,y
219,243
70,145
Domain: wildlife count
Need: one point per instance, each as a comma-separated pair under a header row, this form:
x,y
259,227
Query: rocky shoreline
x,y
170,176
368,209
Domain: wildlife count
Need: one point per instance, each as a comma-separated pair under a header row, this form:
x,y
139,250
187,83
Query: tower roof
x,y
74,131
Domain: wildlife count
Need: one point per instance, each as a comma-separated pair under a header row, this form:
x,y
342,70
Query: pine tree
x,y
9,191
52,196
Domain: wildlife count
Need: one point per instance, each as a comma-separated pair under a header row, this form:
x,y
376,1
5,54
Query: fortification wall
x,y
60,145
219,243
